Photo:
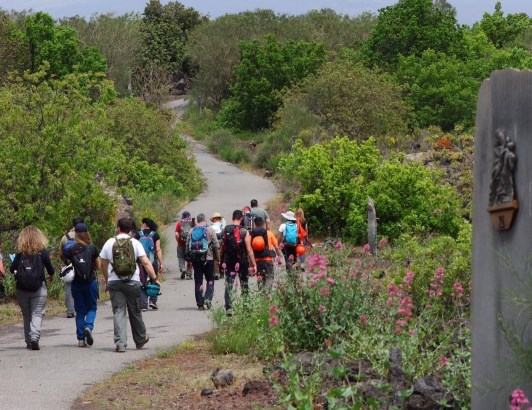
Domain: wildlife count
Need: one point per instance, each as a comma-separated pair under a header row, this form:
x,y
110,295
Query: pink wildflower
x,y
327,343
211,283
518,399
274,309
312,284
224,266
344,278
364,320
443,361
436,284
273,321
233,273
366,248
330,281
458,290
321,309
259,278
319,276
383,242
324,292
237,266
291,258
411,332
339,245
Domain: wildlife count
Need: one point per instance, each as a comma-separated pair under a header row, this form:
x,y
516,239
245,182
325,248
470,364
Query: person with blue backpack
x,y
288,236
151,241
68,241
202,247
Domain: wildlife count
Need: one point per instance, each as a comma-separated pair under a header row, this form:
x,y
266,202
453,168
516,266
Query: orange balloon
x,y
300,249
258,243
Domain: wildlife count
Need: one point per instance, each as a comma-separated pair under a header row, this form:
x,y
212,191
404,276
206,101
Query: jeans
x,y
32,305
85,302
230,275
201,269
127,295
69,300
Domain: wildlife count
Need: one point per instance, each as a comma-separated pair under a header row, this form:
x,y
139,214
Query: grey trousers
x,y
69,300
126,295
32,305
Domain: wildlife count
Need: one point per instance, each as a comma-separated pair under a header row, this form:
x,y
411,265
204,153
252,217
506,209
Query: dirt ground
x,y
175,379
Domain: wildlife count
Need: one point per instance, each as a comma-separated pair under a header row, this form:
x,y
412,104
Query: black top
x,y
155,235
90,248
45,258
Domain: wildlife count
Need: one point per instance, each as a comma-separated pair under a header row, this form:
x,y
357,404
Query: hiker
x,y
237,257
182,230
302,231
265,248
84,258
255,210
2,275
288,237
217,224
119,258
67,241
202,246
151,241
247,218
28,267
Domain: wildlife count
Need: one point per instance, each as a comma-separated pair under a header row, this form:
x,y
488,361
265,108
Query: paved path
x,y
54,376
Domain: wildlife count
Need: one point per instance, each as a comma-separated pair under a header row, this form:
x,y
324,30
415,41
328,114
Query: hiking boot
x,y
183,275
82,343
146,340
154,306
28,346
120,349
35,345
208,304
201,307
70,315
88,336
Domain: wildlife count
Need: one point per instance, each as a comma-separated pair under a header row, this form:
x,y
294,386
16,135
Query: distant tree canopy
x,y
503,30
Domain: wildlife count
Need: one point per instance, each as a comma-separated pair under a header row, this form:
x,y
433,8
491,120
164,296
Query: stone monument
x,y
502,240
372,226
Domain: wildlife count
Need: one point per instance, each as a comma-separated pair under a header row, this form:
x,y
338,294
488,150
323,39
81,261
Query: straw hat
x,y
289,215
216,215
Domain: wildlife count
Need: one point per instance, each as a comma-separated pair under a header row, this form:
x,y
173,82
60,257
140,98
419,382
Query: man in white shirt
x,y
125,294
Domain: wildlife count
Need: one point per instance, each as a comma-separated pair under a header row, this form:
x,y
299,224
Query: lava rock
x,y
207,392
222,378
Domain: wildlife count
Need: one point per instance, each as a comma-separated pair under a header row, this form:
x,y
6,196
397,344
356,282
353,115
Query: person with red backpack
x,y
182,230
236,257
202,246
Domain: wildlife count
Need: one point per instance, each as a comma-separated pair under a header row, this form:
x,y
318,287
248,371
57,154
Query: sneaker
x,y
70,315
88,336
146,340
82,343
35,345
28,346
154,306
201,307
229,312
183,275
189,276
120,349
208,304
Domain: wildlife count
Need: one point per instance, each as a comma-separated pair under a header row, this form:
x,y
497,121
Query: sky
x,y
468,11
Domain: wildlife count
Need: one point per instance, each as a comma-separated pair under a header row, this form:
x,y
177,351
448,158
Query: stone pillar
x,y
501,247
372,226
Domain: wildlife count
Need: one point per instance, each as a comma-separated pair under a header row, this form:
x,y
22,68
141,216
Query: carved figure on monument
x,y
502,176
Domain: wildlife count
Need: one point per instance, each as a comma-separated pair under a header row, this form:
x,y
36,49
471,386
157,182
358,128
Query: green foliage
x,y
13,49
503,30
265,72
410,27
337,176
351,100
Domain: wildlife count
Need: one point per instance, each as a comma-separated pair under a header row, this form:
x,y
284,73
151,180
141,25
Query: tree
x,y
504,30
445,6
409,28
13,50
352,100
265,72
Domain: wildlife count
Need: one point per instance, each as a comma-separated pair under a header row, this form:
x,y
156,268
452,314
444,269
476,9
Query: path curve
x,y
53,377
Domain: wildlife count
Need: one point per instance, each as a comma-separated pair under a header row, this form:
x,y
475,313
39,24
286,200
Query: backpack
x,y
124,259
290,234
148,244
266,251
30,272
233,243
82,260
186,226
68,244
198,245
248,221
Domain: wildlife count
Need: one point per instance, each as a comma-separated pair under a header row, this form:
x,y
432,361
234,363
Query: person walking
x,y
151,241
217,224
302,231
67,241
119,258
260,212
289,238
236,257
182,230
28,266
265,248
84,258
203,247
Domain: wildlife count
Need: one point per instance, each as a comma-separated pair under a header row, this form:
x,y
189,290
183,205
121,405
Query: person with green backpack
x,y
121,273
